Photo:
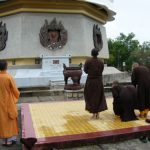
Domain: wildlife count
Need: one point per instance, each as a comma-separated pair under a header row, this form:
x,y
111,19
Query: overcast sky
x,y
132,16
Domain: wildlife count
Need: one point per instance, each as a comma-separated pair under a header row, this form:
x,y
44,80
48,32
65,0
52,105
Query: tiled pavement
x,y
134,144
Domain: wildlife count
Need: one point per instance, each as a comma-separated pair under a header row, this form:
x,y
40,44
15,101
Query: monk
x,y
9,96
141,80
124,101
94,91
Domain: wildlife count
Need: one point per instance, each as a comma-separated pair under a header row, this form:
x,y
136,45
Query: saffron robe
x,y
94,91
9,95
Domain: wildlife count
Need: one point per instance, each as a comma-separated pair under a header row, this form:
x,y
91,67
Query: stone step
x,y
57,90
52,92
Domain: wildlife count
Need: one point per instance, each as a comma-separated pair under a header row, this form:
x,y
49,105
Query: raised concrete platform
x,y
67,124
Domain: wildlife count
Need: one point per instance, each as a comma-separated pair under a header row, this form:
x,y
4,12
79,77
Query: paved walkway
x,y
134,144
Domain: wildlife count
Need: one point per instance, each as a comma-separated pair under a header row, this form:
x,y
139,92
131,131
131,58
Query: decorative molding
x,y
97,37
3,36
44,6
53,35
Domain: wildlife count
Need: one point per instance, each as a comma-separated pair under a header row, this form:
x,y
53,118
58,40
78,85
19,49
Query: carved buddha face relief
x,y
53,35
3,36
97,37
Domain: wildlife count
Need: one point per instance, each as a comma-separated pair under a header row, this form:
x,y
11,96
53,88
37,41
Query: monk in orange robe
x,y
9,96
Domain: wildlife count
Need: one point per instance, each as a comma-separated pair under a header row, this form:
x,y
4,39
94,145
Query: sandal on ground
x,y
147,120
143,139
148,139
8,144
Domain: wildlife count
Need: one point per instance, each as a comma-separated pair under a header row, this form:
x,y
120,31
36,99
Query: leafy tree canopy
x,y
125,49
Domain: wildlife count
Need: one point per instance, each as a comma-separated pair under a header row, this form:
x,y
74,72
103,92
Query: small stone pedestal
x,y
75,74
74,94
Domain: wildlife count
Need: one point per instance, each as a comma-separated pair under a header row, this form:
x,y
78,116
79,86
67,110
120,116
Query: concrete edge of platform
x,y
90,141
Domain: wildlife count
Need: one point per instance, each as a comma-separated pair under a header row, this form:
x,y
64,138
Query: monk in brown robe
x,y
9,95
94,91
124,101
141,80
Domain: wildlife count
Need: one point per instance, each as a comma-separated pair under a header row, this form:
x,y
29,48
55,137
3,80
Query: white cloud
x,y
132,16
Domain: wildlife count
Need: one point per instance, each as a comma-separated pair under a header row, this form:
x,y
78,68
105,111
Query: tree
x,y
144,56
120,50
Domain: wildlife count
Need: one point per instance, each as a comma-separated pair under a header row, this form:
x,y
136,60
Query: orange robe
x,y
9,96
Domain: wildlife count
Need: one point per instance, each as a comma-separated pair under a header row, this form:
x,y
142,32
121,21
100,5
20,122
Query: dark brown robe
x,y
141,80
124,102
94,91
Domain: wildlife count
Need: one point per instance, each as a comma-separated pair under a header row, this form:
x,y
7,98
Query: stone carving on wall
x,y
3,35
97,37
53,35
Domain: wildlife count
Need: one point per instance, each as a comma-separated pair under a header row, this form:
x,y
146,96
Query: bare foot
x,y
97,116
94,116
9,143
